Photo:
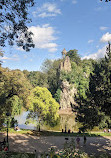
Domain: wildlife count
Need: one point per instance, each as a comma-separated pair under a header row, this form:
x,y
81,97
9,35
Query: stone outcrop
x,y
67,95
65,65
68,91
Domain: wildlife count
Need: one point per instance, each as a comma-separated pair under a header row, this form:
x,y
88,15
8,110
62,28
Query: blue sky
x,y
84,25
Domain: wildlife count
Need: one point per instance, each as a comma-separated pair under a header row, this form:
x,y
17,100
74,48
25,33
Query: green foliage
x,y
36,78
57,95
43,106
47,65
13,19
69,151
66,153
74,57
95,109
14,90
52,69
79,76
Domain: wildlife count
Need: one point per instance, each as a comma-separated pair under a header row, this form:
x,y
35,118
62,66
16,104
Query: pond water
x,y
66,120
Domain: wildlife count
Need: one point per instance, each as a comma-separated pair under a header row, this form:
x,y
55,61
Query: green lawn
x,y
53,133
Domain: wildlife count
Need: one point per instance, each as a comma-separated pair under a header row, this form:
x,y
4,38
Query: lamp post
x,y
7,114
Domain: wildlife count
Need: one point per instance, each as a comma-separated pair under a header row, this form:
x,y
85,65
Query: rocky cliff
x,y
65,65
68,91
67,95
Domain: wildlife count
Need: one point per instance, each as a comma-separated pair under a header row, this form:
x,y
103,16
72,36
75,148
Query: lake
x,y
66,120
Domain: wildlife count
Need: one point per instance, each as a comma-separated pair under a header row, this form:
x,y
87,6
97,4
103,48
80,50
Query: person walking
x,y
85,139
78,141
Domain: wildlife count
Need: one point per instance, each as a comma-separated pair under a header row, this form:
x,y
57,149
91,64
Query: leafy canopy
x,y
95,109
14,90
43,105
13,20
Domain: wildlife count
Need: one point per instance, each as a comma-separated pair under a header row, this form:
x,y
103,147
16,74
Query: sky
x,y
83,25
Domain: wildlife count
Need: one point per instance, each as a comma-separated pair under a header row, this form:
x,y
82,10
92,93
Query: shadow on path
x,y
28,143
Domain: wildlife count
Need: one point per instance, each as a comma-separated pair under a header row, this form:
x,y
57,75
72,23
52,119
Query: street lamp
x,y
7,114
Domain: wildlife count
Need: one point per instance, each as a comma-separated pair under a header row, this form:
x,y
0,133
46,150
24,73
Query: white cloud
x,y
74,1
99,54
15,57
44,36
102,28
106,37
90,41
5,58
47,10
44,15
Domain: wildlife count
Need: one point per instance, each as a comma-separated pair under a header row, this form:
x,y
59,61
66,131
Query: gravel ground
x,y
28,143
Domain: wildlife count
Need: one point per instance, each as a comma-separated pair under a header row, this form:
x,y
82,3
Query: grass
x,y
54,133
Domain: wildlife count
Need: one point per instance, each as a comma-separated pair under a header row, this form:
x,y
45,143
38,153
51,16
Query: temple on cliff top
x,y
66,64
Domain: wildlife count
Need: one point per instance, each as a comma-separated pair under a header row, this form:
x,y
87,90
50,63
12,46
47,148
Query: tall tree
x,y
13,20
98,101
51,68
43,106
37,78
14,90
74,56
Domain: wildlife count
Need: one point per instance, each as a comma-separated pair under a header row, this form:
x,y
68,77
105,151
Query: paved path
x,y
28,143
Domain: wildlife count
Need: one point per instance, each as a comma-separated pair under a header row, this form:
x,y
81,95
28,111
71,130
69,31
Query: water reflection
x,y
66,120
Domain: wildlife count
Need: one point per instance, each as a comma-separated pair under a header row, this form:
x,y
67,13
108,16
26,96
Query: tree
x,y
100,83
43,106
74,57
37,78
14,90
13,20
51,68
95,109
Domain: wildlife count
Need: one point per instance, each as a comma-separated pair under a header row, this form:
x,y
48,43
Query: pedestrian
x,y
78,141
85,139
104,130
36,154
109,130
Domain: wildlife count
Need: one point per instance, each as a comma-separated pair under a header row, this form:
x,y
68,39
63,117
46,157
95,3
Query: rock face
x,y
68,90
67,95
65,65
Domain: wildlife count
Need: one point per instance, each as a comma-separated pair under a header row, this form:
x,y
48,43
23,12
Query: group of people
x,y
108,130
78,140
64,131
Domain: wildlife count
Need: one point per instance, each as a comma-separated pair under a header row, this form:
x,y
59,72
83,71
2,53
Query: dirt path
x,y
28,143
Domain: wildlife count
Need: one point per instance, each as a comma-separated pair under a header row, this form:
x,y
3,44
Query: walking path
x,y
28,143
